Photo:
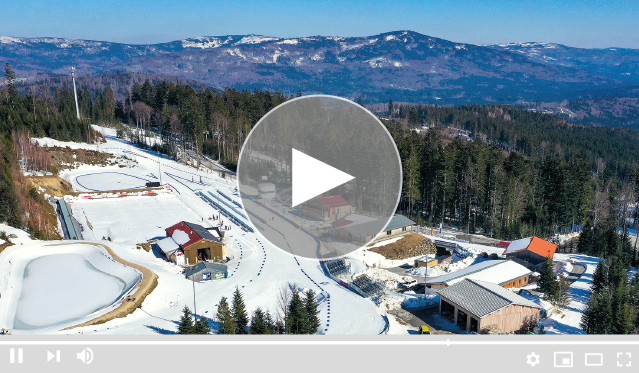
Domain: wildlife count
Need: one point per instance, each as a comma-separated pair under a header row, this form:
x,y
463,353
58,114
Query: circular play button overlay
x,y
319,177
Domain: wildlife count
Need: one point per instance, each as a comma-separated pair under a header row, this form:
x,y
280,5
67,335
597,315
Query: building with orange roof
x,y
533,250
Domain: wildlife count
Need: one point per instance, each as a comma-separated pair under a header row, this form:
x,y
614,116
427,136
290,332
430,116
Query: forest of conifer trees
x,y
517,174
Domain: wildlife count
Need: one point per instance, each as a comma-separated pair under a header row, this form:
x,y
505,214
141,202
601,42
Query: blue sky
x,y
579,23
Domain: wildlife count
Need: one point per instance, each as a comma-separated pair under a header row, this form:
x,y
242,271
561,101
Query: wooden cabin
x,y
198,244
327,208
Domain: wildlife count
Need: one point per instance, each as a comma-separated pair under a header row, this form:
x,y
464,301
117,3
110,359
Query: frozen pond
x,y
60,288
100,181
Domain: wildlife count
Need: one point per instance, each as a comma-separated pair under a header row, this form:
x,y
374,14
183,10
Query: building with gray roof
x,y
506,273
206,271
479,306
363,232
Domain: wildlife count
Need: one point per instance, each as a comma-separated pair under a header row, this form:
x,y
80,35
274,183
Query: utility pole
x,y
159,170
75,93
441,227
194,306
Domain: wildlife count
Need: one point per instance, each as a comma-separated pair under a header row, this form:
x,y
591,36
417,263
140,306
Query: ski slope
x,y
257,267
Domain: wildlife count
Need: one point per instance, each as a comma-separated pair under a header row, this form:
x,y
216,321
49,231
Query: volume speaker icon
x,y
86,356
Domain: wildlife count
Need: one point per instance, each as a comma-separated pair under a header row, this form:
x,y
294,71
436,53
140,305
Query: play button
x,y
312,177
319,177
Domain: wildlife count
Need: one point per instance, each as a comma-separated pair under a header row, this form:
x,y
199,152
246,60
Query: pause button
x,y
12,356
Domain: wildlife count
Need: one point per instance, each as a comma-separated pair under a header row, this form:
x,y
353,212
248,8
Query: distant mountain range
x,y
402,66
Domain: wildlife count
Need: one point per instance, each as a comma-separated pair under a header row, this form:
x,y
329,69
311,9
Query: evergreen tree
x,y
225,318
622,313
589,322
547,281
603,315
258,323
633,294
296,317
617,274
186,322
599,277
240,317
560,298
312,323
10,79
586,239
202,326
279,327
411,180
270,324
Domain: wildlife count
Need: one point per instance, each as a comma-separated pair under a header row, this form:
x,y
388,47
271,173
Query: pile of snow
x,y
560,239
396,327
389,279
395,301
420,271
388,301
456,264
386,242
566,269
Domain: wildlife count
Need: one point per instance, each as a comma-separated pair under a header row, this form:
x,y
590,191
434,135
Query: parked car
x,y
408,284
424,329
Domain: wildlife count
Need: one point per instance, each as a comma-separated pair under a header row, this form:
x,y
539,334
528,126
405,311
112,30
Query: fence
x,y
225,212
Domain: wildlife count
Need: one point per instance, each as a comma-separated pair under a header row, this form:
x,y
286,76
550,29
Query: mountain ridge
x,y
401,65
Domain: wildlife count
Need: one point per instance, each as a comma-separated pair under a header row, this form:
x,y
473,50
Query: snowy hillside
x,y
256,267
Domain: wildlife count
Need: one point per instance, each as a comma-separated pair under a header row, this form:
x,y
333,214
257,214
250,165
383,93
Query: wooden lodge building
x,y
504,273
327,208
398,224
531,251
363,232
189,243
476,306
431,262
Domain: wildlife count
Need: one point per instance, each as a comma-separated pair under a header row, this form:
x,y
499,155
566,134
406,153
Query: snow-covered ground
x,y
567,321
257,267
46,286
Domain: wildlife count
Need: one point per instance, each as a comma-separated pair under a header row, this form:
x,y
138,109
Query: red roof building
x,y
327,208
197,242
531,249
333,201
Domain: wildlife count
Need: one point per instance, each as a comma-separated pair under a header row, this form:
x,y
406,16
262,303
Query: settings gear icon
x,y
532,359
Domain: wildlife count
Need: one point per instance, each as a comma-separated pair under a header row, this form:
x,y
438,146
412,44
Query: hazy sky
x,y
579,23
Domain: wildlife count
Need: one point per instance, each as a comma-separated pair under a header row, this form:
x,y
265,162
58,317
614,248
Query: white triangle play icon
x,y
312,177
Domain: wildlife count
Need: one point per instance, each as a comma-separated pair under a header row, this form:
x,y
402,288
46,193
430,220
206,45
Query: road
x,y
577,271
427,316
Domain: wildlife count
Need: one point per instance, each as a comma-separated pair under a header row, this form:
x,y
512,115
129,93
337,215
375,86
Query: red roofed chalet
x,y
197,242
327,208
532,249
